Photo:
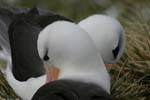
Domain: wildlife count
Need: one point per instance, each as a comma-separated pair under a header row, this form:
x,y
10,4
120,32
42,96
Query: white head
x,y
108,35
70,49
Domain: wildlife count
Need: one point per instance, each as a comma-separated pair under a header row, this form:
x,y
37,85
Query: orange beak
x,y
51,73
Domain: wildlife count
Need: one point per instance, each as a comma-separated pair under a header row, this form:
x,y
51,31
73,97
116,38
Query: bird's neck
x,y
88,74
25,59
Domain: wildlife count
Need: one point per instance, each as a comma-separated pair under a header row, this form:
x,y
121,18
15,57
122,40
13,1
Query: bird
x,y
108,35
18,40
82,71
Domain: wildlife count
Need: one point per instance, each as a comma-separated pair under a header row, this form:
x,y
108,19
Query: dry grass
x,y
6,92
131,75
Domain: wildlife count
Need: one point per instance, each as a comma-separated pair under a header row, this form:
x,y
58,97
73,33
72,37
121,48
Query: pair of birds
x,y
31,38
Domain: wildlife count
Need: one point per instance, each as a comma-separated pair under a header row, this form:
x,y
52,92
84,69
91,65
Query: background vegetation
x,y
131,75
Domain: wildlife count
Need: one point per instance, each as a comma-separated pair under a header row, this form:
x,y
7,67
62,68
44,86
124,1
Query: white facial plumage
x,y
71,49
108,35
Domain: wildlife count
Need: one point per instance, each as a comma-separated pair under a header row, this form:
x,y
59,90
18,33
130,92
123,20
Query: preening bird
x,y
107,34
69,48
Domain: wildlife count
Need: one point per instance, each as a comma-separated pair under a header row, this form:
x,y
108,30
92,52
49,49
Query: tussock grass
x,y
131,75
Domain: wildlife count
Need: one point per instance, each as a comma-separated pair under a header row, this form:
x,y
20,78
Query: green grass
x,y
131,75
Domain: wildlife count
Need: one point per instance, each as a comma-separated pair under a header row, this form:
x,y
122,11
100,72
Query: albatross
x,y
109,38
83,75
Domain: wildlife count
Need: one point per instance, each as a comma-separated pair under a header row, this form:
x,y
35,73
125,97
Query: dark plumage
x,y
116,51
23,41
23,35
70,90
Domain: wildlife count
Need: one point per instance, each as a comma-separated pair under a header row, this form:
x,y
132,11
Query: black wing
x,y
70,90
23,37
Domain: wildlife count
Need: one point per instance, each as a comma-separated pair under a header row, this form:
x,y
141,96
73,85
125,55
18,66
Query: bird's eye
x,y
46,58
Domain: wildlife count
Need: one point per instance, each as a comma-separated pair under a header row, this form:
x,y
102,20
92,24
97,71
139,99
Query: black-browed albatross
x,y
108,36
71,50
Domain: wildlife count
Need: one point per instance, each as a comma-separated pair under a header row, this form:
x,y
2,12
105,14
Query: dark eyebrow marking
x,y
116,51
46,58
119,46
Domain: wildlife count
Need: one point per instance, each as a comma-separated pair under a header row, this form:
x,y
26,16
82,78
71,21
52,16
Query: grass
x,y
131,75
6,92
